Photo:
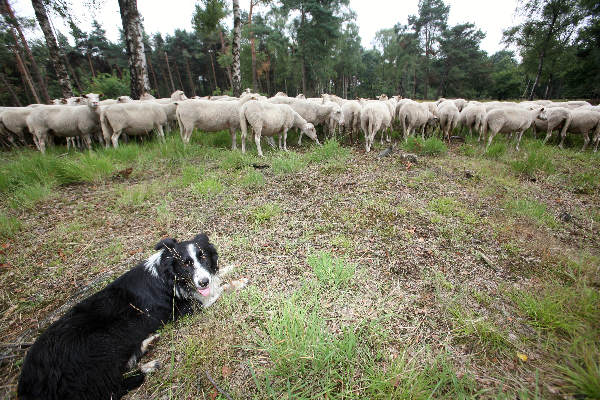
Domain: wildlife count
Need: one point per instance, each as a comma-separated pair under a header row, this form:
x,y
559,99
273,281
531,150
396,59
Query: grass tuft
x,y
264,213
287,163
208,187
9,226
334,272
532,209
496,151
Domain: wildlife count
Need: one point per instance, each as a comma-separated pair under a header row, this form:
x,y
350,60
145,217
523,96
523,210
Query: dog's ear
x,y
167,243
201,238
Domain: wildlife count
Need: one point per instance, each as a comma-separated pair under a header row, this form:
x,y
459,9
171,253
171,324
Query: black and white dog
x,y
88,351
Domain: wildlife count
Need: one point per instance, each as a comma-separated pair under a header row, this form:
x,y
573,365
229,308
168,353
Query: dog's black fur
x,y
85,354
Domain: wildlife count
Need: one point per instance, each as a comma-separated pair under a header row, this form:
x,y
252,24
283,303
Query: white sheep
x,y
65,122
583,121
509,120
448,115
473,117
555,118
270,119
351,112
374,116
415,116
134,119
178,95
210,116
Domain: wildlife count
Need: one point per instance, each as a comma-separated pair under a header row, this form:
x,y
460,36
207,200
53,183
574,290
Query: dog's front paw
x,y
239,283
150,366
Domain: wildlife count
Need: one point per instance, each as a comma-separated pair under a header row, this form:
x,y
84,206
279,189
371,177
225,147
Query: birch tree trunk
x,y
235,49
56,53
9,16
252,48
132,28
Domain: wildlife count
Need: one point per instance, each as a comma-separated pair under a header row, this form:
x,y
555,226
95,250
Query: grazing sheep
x,y
555,118
473,117
315,113
134,119
269,119
374,116
301,96
65,122
13,122
415,116
460,104
147,96
108,102
509,120
583,121
351,112
281,94
448,115
178,95
210,116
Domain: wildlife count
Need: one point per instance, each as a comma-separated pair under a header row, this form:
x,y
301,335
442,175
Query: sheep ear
x,y
101,95
63,100
84,96
167,243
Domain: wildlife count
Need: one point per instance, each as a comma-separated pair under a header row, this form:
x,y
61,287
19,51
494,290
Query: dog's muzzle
x,y
203,288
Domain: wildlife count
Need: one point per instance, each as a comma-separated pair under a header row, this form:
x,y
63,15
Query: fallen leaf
x,y
226,371
522,356
5,245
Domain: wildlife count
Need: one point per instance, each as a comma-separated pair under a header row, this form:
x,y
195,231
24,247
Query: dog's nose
x,y
203,282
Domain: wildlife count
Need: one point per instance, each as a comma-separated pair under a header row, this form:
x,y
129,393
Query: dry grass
x,y
370,278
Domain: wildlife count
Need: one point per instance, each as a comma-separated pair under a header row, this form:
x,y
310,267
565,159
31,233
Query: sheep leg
x,y
490,138
42,136
161,133
300,139
233,139
563,135
115,138
519,139
257,133
586,140
88,142
279,141
547,135
285,140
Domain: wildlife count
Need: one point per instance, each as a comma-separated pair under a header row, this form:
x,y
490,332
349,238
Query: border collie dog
x,y
89,351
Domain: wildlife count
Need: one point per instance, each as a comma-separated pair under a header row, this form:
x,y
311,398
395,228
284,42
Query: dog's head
x,y
192,264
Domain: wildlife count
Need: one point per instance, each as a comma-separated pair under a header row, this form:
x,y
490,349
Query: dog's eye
x,y
200,254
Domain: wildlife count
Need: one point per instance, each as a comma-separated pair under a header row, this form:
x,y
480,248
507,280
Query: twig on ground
x,y
217,388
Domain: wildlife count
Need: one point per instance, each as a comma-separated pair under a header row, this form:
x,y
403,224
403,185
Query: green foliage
x,y
252,179
287,163
431,146
264,213
496,150
330,150
208,187
537,161
110,86
334,272
9,226
532,209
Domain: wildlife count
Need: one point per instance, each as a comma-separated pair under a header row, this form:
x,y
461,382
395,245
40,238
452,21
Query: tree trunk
x,y
543,55
89,57
224,50
132,28
252,48
235,49
212,65
56,53
526,89
25,74
16,100
9,16
149,61
414,82
169,70
178,76
189,74
303,62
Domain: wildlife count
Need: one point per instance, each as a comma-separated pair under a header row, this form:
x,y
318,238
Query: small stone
x,y
469,174
565,216
410,157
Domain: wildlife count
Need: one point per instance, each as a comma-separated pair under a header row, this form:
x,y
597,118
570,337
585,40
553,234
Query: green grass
x,y
265,213
252,179
330,150
27,196
136,195
532,209
331,271
496,150
432,146
9,226
484,332
536,161
191,174
208,187
287,163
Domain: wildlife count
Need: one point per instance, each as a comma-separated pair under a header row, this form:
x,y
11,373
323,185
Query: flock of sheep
x,y
85,118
